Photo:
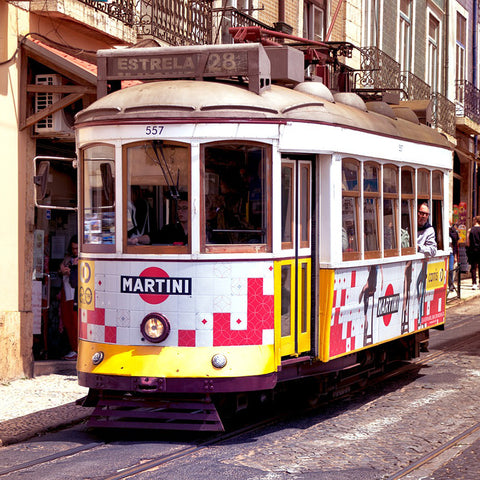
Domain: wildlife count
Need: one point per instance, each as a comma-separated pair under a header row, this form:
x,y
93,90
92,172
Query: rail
x,y
378,71
468,100
443,114
177,22
413,87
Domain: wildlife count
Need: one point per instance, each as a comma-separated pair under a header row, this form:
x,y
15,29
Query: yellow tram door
x,y
293,274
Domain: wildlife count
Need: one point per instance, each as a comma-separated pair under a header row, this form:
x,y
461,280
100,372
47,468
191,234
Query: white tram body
x,y
304,279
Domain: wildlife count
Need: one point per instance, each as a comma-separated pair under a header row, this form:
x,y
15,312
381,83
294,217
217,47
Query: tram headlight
x,y
97,358
219,360
155,327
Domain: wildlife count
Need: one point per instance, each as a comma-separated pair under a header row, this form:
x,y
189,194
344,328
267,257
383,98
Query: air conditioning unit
x,y
57,122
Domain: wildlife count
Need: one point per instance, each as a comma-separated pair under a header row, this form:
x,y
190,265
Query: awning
x,y
81,72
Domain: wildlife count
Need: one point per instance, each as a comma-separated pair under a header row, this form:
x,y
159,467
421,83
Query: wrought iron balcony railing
x,y
443,114
176,22
413,87
467,98
378,72
224,18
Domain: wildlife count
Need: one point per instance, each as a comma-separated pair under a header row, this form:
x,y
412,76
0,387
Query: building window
x,y
313,21
405,35
433,52
372,23
460,55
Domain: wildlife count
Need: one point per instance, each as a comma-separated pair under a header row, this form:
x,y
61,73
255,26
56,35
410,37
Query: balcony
x,y
443,113
467,106
413,87
172,22
225,18
378,75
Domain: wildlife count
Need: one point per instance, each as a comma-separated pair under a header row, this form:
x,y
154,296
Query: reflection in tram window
x,y
287,205
406,213
350,198
390,203
157,206
98,195
235,194
436,218
286,300
371,194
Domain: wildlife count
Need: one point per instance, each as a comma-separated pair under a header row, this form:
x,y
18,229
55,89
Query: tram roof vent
x,y
406,113
351,99
315,88
382,108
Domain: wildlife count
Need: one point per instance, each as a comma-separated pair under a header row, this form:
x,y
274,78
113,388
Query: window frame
x,y
356,195
411,197
156,249
237,247
374,195
436,209
92,247
394,196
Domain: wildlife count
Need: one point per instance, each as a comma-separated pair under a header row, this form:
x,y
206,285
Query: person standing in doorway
x,y
473,245
69,305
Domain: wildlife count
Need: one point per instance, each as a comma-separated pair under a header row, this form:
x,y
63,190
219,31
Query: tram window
x,y
286,301
390,205
304,205
98,197
235,195
423,186
157,201
407,210
437,207
287,205
371,197
350,199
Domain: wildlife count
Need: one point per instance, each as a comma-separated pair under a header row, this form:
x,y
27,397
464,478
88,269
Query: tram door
x,y
293,272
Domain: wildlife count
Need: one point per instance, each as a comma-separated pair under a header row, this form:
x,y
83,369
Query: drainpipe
x,y
281,11
474,81
445,49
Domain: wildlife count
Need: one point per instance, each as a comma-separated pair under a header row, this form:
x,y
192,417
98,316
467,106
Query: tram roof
x,y
201,100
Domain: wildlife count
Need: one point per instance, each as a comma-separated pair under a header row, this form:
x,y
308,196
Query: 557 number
x,y
153,130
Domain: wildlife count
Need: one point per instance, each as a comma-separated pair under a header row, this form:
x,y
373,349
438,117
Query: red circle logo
x,y
154,273
388,293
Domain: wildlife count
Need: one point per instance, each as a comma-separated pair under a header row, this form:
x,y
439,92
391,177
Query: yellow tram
x,y
238,234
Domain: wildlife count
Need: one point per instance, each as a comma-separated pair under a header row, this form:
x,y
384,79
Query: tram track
x,y
424,460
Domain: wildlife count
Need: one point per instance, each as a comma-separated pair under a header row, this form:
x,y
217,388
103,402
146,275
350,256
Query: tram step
x,y
165,413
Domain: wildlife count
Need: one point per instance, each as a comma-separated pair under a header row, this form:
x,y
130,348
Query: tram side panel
x,y
378,303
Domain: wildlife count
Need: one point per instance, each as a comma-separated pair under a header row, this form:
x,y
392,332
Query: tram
x,y
241,228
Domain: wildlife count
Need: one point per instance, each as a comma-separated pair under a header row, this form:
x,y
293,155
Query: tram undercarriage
x,y
301,382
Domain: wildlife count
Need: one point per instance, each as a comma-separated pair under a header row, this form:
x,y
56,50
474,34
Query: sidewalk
x,y
29,407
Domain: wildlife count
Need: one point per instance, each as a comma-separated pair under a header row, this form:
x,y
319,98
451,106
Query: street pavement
x,y
48,402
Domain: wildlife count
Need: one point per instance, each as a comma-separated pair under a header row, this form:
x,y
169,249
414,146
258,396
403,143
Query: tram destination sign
x,y
198,62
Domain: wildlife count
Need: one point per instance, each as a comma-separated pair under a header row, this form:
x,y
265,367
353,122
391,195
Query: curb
x,y
23,428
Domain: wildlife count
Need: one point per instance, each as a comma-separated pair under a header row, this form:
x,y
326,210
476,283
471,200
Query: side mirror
x,y
55,180
41,179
